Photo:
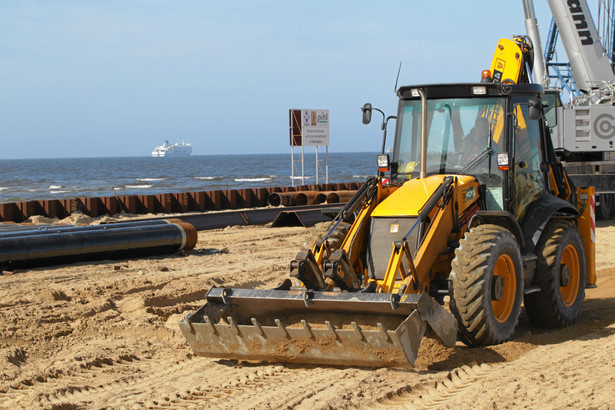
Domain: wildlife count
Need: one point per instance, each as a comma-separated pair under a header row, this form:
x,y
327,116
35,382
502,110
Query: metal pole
x,y
327,165
423,173
302,166
292,164
531,27
317,165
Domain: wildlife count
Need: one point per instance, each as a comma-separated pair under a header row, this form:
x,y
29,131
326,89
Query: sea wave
x,y
252,179
59,192
150,179
361,176
3,188
208,178
138,186
54,186
300,177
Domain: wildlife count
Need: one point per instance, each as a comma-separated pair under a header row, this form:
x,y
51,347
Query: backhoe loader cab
x,y
474,206
488,131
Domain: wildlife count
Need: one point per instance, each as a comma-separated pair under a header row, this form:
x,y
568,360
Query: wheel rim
x,y
505,269
570,259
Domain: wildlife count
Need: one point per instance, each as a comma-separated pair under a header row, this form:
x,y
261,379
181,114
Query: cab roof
x,y
467,90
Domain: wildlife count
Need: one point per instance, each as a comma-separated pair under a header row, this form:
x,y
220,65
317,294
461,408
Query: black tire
x,y
604,209
555,305
487,265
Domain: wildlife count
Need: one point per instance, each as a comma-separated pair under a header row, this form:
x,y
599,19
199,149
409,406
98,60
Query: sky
x,y
116,78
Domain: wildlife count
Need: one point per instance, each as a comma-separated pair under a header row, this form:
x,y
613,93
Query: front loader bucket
x,y
336,328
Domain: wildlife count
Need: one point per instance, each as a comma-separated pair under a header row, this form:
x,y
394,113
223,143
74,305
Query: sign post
x,y
309,128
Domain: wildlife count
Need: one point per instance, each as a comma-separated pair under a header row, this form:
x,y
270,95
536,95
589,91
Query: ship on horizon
x,y
172,150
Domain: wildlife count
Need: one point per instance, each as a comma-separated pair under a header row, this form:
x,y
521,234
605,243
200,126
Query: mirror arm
x,y
385,125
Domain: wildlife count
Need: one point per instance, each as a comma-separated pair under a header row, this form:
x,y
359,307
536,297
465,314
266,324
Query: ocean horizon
x,y
61,178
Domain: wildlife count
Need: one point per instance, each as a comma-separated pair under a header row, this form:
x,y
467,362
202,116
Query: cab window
x,y
529,181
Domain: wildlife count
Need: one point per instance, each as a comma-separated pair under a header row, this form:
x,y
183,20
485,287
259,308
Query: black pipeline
x,y
69,244
27,230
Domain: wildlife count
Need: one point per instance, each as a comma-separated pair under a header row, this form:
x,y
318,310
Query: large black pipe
x,y
87,244
50,229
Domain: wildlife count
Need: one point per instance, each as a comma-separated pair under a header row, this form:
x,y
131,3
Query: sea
x,y
38,179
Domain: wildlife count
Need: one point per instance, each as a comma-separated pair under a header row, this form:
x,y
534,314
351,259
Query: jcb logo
x,y
498,70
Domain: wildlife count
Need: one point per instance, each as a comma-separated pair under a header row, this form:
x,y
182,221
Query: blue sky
x,y
116,78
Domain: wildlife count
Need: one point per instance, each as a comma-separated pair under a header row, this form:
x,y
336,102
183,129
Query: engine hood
x,y
408,199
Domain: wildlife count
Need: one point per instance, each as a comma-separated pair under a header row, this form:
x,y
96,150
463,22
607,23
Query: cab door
x,y
529,182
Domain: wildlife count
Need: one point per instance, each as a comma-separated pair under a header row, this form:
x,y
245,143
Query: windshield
x,y
458,131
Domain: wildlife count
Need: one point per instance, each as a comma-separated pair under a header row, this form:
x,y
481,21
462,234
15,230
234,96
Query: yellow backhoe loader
x,y
472,209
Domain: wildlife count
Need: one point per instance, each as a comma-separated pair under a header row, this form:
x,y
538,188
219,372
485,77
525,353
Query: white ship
x,y
168,150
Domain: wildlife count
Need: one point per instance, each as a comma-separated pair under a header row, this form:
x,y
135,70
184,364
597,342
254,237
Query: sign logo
x,y
604,126
498,70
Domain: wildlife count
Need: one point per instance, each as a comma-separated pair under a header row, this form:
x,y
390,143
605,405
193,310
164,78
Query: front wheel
x,y
560,275
486,285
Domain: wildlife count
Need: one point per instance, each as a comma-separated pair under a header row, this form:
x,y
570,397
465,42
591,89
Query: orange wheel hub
x,y
570,272
505,278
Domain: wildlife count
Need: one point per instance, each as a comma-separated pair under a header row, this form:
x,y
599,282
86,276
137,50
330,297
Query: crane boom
x,y
539,69
588,61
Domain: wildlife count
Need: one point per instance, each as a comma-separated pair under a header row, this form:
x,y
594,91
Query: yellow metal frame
x,y
507,60
398,269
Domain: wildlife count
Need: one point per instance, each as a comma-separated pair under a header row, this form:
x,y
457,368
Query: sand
x,y
105,334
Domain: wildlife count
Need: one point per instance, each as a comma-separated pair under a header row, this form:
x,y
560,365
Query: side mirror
x,y
367,113
534,108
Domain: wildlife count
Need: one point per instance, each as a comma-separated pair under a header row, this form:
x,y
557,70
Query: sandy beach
x,y
105,334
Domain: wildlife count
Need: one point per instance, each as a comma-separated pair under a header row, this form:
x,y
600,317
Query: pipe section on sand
x,y
119,240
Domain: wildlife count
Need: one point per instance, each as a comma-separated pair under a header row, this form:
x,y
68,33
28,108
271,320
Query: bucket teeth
x,y
336,328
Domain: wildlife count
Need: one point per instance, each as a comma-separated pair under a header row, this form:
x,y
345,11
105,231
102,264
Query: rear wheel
x,y
560,274
486,285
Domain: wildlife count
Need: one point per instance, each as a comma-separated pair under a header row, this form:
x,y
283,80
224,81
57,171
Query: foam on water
x,y
208,178
252,179
150,179
138,186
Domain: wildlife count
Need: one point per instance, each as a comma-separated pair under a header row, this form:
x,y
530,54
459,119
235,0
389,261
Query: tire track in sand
x,y
529,379
437,392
